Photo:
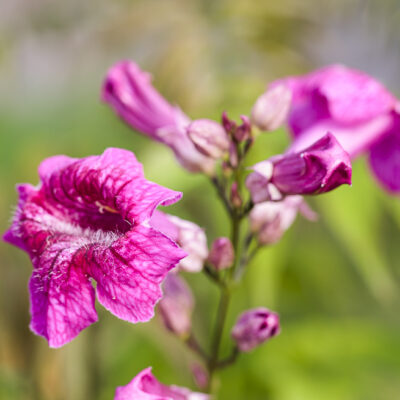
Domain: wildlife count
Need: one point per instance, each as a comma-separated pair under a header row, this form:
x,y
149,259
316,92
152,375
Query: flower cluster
x,y
95,219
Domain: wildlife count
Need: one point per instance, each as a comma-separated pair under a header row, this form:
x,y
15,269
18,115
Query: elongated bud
x,y
176,306
200,376
243,131
317,169
235,195
222,253
209,137
228,124
271,109
254,327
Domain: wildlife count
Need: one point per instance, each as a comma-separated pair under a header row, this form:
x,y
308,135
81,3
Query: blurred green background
x,y
335,283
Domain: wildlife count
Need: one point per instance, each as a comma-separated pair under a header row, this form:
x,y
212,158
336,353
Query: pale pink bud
x,y
176,306
243,131
200,376
270,220
222,253
209,137
254,327
271,109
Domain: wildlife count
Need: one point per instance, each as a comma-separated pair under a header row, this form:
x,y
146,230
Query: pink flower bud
x,y
235,195
209,137
200,376
317,169
176,306
243,131
228,124
270,220
222,253
271,109
254,327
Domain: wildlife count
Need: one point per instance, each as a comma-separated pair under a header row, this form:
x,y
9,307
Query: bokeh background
x,y
335,283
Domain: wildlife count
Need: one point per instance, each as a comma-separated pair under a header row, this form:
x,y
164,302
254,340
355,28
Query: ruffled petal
x,y
130,271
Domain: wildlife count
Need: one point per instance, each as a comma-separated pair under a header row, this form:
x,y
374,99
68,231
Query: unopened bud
x,y
254,327
200,376
176,306
209,137
222,253
271,109
236,199
228,124
243,131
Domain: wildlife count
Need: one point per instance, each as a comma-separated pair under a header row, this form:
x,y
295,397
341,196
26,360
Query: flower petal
x,y
385,160
129,272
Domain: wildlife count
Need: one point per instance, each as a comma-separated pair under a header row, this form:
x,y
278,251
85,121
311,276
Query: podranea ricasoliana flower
x,y
222,253
189,236
176,306
254,327
317,169
357,109
271,219
88,220
128,90
145,386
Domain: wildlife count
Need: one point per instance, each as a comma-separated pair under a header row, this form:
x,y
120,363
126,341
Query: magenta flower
x,y
189,236
145,386
271,219
176,306
317,169
88,219
128,90
358,110
254,327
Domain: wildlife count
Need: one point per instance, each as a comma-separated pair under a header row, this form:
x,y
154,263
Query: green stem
x,y
219,327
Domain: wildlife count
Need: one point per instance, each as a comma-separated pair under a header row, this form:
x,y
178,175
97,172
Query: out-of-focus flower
x,y
128,90
254,327
145,386
176,306
189,236
358,110
88,220
317,169
209,137
271,109
221,253
271,219
235,197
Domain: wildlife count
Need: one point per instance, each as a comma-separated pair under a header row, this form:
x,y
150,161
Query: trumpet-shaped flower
x,y
128,90
88,220
317,169
145,386
358,110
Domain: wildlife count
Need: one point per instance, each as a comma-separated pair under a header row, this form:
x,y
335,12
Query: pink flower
x,y
271,219
358,110
254,327
88,219
145,386
317,169
176,306
189,236
128,90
